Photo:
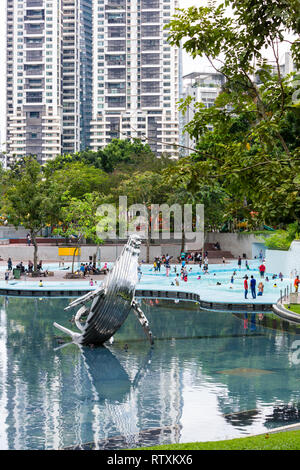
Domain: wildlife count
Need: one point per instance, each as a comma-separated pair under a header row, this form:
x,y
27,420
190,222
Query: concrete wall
x,y
276,261
236,243
288,262
10,232
107,252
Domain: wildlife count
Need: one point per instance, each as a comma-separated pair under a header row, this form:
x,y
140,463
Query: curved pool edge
x,y
75,290
286,314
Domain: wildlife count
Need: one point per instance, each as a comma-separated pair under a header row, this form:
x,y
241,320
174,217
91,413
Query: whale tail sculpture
x,y
111,302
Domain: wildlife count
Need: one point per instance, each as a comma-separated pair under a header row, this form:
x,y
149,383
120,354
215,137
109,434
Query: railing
x,y
285,295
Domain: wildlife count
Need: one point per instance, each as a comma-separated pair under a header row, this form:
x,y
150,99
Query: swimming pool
x,y
209,376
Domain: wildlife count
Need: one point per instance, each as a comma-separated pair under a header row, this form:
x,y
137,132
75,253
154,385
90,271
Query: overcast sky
x,y
189,64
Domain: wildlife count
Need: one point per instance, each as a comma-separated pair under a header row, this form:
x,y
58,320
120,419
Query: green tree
x,y
144,188
79,178
30,199
79,220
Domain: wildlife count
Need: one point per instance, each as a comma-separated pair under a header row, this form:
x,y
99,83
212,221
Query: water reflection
x,y
210,376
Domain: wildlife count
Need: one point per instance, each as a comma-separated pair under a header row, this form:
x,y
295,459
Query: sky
x,y
189,64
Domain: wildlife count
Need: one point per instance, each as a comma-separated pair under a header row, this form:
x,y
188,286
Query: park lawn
x,y
293,308
288,440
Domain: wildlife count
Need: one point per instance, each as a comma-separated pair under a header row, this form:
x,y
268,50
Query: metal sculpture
x,y
111,302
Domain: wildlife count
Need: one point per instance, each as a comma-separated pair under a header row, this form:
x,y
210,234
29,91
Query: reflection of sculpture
x,y
111,302
110,381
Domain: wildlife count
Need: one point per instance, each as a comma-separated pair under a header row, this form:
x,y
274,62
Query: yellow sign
x,y
69,251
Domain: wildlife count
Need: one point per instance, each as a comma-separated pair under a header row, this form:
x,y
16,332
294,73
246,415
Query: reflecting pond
x,y
209,376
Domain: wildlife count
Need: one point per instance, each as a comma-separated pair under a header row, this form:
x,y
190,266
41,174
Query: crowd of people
x,y
181,271
88,269
23,269
250,283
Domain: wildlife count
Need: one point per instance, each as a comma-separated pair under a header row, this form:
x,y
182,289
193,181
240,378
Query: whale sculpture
x,y
111,303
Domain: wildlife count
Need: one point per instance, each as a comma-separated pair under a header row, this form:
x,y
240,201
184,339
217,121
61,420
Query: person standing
x,y
240,262
246,286
296,283
139,269
167,265
253,287
262,269
28,239
9,264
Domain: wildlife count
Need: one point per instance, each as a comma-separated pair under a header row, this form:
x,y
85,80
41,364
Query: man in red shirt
x,y
246,287
296,283
262,269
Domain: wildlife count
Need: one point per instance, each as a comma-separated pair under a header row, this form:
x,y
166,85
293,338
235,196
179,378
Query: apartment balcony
x,y
34,3
115,5
115,91
150,32
150,4
34,45
34,31
34,73
34,15
115,18
150,18
151,90
34,57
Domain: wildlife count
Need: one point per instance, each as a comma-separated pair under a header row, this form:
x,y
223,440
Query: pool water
x,y
216,285
209,376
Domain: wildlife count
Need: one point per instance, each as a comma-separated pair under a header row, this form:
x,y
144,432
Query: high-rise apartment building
x,y
135,74
81,72
77,65
34,78
203,88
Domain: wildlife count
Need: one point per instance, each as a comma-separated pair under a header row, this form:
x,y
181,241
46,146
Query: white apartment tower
x,y
135,74
49,77
34,78
202,87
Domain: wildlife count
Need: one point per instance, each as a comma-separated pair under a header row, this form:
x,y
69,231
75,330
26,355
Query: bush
x,y
282,239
